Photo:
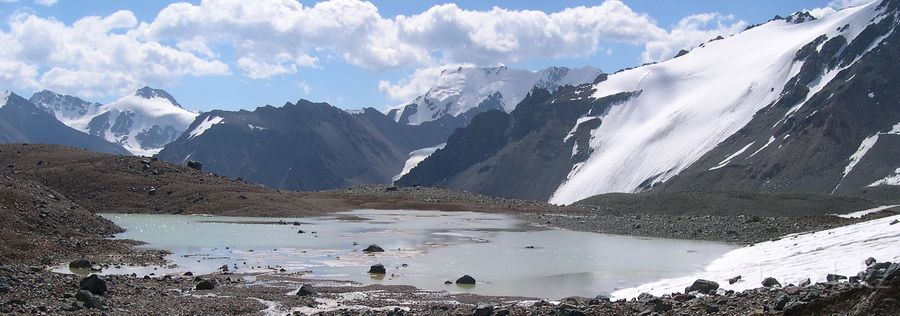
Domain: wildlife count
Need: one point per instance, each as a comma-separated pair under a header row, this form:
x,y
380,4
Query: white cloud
x,y
690,32
46,3
303,85
94,56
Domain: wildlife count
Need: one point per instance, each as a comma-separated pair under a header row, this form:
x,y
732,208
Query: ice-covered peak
x,y
800,17
65,108
460,89
4,96
150,93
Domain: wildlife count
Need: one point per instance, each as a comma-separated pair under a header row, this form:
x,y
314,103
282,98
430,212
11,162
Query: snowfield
x,y
415,157
4,96
793,258
459,90
690,104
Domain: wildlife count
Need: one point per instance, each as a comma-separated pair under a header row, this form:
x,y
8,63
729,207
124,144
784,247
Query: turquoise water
x,y
505,255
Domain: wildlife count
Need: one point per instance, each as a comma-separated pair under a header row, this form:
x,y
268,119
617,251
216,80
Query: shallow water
x,y
435,246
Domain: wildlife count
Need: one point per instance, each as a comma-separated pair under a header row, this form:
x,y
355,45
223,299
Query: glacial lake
x,y
506,255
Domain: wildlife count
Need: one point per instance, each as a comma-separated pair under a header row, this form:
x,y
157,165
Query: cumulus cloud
x,y
93,56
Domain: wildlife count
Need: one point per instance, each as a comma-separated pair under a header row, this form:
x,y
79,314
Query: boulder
x,y
466,279
80,264
306,290
93,284
189,273
770,282
892,272
195,165
702,286
781,301
377,269
373,248
805,282
205,285
734,280
88,300
484,310
870,261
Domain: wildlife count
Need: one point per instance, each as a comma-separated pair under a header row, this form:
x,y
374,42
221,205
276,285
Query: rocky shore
x,y
49,196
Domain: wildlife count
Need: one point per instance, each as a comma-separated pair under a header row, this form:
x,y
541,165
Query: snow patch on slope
x,y
725,161
205,125
893,179
415,157
862,213
690,104
792,258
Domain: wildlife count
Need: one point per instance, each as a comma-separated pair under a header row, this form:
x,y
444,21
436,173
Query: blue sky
x,y
203,82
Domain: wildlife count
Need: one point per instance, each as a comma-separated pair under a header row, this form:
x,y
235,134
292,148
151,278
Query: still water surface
x,y
505,254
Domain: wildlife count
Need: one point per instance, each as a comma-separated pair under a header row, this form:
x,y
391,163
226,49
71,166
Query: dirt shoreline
x,y
49,196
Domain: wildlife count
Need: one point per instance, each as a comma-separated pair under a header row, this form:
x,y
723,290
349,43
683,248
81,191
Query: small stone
x,y
205,285
834,277
792,290
770,282
306,290
781,301
870,261
711,308
189,273
373,248
448,282
88,300
805,282
377,269
80,264
466,279
734,280
702,286
484,310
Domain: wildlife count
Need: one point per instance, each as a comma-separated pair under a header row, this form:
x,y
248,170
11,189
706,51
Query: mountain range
x,y
793,105
797,104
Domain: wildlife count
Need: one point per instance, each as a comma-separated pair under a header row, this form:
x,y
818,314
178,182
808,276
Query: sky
x,y
236,54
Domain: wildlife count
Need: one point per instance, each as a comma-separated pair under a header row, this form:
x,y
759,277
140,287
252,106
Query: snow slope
x,y
689,104
793,258
415,157
65,108
862,213
464,88
4,96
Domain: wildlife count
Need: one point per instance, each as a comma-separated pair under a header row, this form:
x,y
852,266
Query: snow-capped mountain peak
x,y
463,89
143,122
4,96
65,108
150,93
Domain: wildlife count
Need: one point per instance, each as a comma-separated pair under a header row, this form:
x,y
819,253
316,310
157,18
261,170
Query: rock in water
x,y
770,282
734,280
377,269
702,286
373,248
306,290
80,264
93,284
205,285
466,279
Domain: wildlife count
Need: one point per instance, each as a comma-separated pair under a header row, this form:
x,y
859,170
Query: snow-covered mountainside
x,y
415,157
143,122
65,108
23,122
469,91
790,105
